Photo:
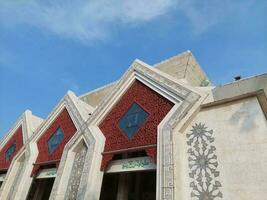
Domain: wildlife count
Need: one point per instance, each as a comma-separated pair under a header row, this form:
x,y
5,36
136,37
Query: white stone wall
x,y
240,137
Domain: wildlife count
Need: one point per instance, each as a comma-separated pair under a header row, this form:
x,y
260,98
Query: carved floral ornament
x,y
203,164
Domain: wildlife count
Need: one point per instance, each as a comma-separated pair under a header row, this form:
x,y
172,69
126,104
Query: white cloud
x,y
204,14
87,20
82,19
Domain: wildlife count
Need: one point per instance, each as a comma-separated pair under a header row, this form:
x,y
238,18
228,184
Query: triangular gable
x,y
19,134
56,131
72,109
131,125
17,137
186,100
10,149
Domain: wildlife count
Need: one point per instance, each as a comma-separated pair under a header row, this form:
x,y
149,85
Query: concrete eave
x,y
253,86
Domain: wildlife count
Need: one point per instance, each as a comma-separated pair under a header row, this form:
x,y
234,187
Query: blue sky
x,y
50,47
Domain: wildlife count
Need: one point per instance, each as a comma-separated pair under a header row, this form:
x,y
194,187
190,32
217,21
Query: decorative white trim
x,y
11,132
47,173
29,124
78,112
131,165
184,97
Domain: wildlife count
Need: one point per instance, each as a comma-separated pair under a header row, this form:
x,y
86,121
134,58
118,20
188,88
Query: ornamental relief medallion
x,y
203,164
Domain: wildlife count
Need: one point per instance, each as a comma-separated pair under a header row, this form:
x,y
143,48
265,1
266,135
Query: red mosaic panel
x,y
153,103
68,128
17,138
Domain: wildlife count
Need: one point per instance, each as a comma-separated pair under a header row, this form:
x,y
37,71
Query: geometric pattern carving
x,y
203,164
53,153
10,151
153,106
76,173
55,140
186,100
132,120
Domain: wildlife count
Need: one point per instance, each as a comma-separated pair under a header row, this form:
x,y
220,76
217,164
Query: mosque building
x,y
161,132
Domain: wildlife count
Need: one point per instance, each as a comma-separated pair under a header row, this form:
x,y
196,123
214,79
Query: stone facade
x,y
207,142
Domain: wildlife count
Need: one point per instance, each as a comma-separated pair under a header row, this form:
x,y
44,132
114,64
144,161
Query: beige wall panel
x,y
240,133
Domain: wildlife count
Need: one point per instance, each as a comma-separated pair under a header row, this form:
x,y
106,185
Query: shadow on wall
x,y
246,116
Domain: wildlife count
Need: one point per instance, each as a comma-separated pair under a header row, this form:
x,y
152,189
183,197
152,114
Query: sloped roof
x,y
182,66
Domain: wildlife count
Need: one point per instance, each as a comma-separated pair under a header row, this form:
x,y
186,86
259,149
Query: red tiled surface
x,y
68,128
17,138
153,103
